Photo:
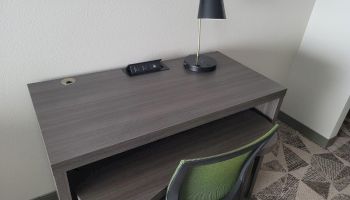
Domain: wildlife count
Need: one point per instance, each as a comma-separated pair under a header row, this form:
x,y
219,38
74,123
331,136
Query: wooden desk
x,y
107,113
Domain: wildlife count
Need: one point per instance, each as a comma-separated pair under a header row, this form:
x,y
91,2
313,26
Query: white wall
x,y
42,39
319,80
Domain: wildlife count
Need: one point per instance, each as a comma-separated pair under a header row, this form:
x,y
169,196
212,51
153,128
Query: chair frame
x,y
174,187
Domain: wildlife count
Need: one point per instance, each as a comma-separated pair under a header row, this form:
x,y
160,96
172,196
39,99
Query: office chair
x,y
218,177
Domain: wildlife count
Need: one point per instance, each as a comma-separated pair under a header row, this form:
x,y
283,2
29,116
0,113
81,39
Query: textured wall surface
x,y
42,39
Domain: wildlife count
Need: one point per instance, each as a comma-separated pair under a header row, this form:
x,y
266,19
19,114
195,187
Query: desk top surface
x,y
108,112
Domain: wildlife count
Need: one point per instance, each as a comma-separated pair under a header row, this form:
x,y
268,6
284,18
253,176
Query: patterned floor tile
x,y
345,129
306,193
275,149
343,179
332,169
267,178
316,181
322,188
302,154
299,169
327,164
283,189
273,165
293,160
343,151
313,147
299,173
341,197
314,175
292,139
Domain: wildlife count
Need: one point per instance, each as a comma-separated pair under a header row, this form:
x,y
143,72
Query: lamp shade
x,y
211,9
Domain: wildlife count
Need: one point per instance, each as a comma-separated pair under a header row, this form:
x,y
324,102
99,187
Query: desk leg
x,y
271,109
62,185
252,179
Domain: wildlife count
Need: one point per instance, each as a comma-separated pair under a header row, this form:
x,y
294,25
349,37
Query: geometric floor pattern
x,y
299,169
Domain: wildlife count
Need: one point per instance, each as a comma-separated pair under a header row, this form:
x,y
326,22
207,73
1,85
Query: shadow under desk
x,y
144,172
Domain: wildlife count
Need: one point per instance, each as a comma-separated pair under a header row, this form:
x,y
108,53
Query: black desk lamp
x,y
208,9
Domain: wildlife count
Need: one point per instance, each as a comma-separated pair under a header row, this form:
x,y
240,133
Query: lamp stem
x,y
199,40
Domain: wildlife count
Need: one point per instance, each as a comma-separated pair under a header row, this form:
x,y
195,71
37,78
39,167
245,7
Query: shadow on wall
x,y
272,61
317,93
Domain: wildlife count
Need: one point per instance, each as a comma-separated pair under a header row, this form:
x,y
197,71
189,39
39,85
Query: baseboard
x,y
49,196
306,131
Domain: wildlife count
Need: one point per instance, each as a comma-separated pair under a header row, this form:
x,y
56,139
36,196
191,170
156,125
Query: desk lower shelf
x,y
144,172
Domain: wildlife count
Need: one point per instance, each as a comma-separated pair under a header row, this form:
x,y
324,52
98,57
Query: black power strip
x,y
145,68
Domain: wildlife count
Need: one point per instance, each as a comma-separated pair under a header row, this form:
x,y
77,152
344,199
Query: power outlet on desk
x,y
145,68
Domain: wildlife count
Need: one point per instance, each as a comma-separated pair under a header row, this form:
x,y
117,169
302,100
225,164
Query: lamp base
x,y
205,63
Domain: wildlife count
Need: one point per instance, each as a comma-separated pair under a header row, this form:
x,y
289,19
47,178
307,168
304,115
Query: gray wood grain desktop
x,y
107,113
